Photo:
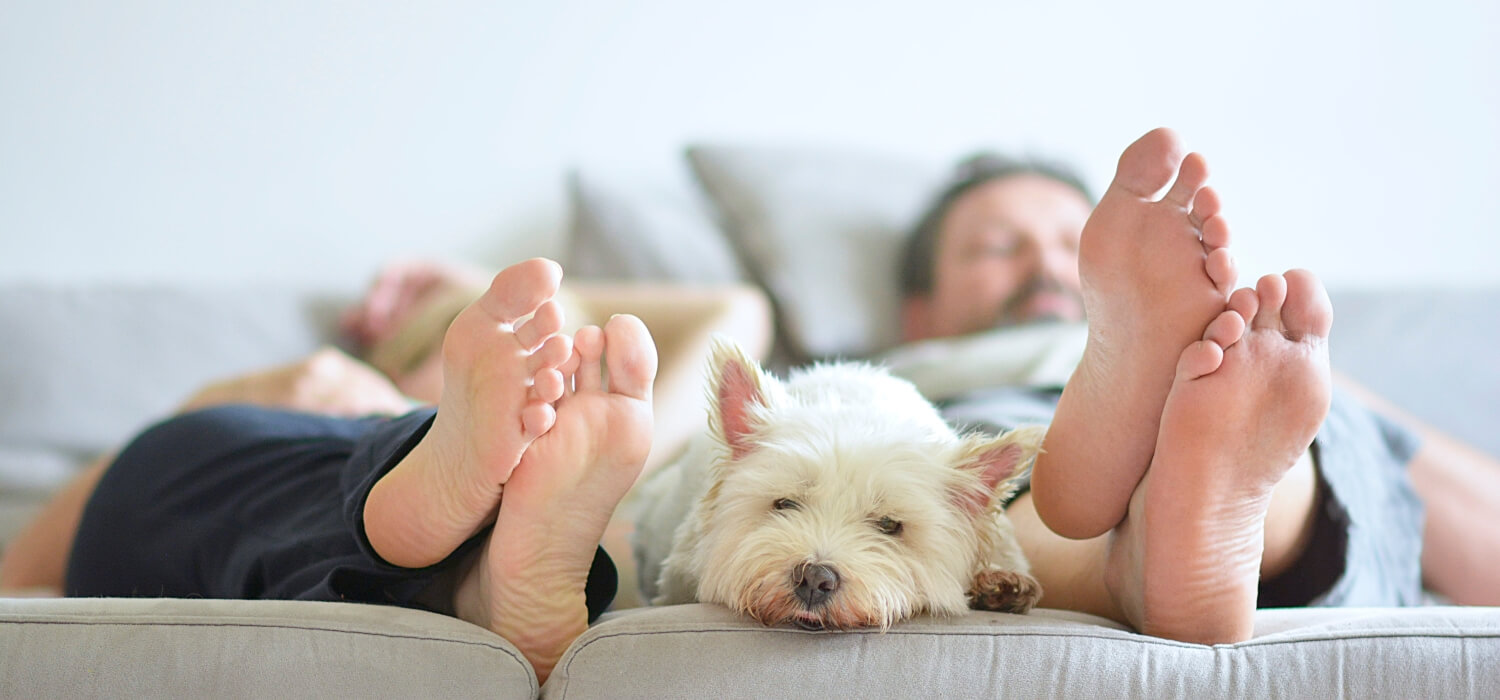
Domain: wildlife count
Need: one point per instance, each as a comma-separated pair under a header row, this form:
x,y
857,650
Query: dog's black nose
x,y
815,583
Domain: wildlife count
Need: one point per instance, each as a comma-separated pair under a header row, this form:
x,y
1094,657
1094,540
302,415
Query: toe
x,y
519,289
1270,292
631,357
552,354
1199,359
1226,329
1307,310
1149,164
547,386
589,344
537,418
1244,302
1190,179
546,323
1215,232
1220,268
1206,205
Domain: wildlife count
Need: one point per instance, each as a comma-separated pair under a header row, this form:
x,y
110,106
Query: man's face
x,y
1007,253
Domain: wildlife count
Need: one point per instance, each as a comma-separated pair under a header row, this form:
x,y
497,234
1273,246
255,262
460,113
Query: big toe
x,y
630,355
1307,309
521,288
1150,163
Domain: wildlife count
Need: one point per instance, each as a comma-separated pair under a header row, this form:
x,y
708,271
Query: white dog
x,y
838,499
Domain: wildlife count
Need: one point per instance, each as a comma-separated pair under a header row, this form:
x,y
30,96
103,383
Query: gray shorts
x,y
1366,548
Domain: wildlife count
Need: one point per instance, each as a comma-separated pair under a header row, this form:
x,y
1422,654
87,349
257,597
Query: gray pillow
x,y
821,229
624,229
86,366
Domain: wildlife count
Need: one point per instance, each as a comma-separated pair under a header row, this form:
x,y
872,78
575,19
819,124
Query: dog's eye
x,y
888,525
786,504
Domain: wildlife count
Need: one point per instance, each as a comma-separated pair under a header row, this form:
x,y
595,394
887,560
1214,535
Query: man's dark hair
x,y
921,244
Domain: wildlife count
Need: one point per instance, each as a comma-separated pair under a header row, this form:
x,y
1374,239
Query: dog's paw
x,y
1004,591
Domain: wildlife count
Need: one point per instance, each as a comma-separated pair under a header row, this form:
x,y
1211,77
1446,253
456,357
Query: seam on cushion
x,y
304,628
169,623
1419,633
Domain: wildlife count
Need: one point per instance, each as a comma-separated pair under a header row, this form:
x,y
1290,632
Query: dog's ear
x,y
737,386
999,462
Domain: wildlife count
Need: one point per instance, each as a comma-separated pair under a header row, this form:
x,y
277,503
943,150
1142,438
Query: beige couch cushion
x,y
705,651
129,648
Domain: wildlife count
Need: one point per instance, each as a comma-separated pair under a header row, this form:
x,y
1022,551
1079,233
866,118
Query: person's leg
x,y
1460,488
1460,545
37,559
500,377
327,382
1154,274
529,585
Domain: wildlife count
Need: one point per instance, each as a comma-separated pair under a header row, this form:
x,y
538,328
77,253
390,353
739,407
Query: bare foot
x,y
500,377
529,586
1185,562
327,382
1154,274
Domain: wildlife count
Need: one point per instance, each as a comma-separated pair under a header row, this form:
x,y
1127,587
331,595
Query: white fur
x,y
851,445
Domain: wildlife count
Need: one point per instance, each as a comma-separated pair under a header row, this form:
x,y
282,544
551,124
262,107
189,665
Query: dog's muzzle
x,y
814,584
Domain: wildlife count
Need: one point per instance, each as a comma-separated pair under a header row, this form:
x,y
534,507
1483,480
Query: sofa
x,y
86,365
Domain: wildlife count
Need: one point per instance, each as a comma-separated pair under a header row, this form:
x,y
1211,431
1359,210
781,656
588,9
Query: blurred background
x,y
310,140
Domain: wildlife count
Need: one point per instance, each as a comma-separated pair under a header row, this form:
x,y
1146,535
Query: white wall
x,y
297,139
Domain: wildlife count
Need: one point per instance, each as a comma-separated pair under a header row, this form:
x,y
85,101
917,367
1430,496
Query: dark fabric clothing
x,y
1366,547
247,503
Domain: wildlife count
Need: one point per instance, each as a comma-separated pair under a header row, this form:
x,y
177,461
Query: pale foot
x,y
500,377
529,585
1185,562
1154,274
327,382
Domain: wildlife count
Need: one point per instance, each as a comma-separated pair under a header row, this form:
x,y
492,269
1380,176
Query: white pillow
x,y
821,229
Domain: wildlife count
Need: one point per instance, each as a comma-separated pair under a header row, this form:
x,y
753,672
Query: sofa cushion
x,y
249,649
706,651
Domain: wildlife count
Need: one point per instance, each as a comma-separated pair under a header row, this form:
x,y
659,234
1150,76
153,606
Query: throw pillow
x,y
821,229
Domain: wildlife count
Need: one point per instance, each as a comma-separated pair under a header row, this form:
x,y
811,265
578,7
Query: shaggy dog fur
x,y
841,499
